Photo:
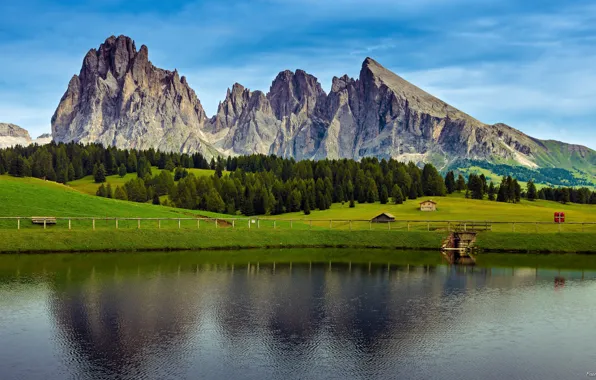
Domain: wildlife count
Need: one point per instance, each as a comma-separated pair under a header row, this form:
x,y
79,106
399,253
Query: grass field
x,y
25,197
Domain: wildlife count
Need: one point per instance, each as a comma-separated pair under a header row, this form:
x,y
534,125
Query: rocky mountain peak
x,y
120,98
292,93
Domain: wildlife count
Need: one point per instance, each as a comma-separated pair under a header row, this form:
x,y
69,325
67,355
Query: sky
x,y
530,64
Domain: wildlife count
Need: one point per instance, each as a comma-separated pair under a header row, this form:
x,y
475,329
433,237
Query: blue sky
x,y
530,64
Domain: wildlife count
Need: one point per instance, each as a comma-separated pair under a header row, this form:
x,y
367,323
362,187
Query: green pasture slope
x,y
25,197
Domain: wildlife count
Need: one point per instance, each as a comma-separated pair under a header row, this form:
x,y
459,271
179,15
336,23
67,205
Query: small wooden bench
x,y
43,220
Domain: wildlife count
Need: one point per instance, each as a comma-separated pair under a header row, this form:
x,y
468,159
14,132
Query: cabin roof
x,y
429,201
386,214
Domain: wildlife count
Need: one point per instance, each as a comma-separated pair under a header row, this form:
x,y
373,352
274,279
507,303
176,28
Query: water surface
x,y
296,314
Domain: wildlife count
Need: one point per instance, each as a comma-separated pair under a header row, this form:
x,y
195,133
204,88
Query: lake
x,y
295,314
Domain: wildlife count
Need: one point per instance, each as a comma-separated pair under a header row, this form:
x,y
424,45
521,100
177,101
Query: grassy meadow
x,y
26,197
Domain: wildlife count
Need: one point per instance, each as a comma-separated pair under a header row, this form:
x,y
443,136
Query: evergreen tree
x,y
156,199
99,173
119,193
352,204
397,195
101,191
131,163
109,192
565,198
460,185
71,172
491,191
531,191
122,171
384,196
306,208
450,182
169,166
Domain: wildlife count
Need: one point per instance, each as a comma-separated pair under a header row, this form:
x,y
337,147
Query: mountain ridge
x,y
119,98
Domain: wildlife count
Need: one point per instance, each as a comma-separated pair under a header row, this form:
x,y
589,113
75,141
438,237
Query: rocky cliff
x,y
119,98
11,135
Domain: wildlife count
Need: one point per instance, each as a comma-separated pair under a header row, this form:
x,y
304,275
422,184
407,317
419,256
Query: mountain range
x,y
120,98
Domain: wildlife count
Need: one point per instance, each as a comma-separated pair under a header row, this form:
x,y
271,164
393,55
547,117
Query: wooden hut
x,y
428,205
383,218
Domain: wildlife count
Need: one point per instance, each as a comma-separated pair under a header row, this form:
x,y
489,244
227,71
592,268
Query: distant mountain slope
x,y
121,99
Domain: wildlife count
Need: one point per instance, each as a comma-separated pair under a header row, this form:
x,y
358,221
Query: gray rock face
x,y
379,114
11,135
119,98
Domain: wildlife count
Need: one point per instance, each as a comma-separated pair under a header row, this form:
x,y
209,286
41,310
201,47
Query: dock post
x,y
18,223
94,224
69,224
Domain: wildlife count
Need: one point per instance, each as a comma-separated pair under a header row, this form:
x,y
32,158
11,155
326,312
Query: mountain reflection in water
x,y
160,316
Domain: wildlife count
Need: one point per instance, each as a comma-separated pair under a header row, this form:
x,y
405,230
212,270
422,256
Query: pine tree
x,y
71,172
397,195
109,193
384,195
531,191
122,171
101,191
156,199
460,185
450,182
99,173
306,208
565,195
491,191
120,194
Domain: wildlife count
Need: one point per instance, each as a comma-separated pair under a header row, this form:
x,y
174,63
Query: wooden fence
x,y
92,223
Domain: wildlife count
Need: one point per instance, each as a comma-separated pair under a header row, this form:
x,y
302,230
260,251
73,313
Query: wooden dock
x,y
458,248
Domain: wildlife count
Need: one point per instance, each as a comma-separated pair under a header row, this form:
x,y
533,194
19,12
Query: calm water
x,y
217,316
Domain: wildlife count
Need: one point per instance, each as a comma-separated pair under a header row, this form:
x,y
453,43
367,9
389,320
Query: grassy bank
x,y
172,239
537,243
31,241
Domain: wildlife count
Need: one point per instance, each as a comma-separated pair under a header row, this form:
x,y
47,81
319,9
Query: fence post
x,y
159,224
536,227
513,227
18,223
44,224
389,226
408,226
428,226
249,223
448,226
370,225
559,226
274,222
582,227
215,222
233,223
94,224
465,227
350,225
138,223
69,224
311,224
198,224
258,223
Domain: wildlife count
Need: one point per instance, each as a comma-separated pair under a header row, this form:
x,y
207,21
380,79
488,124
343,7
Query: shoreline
x,y
122,241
